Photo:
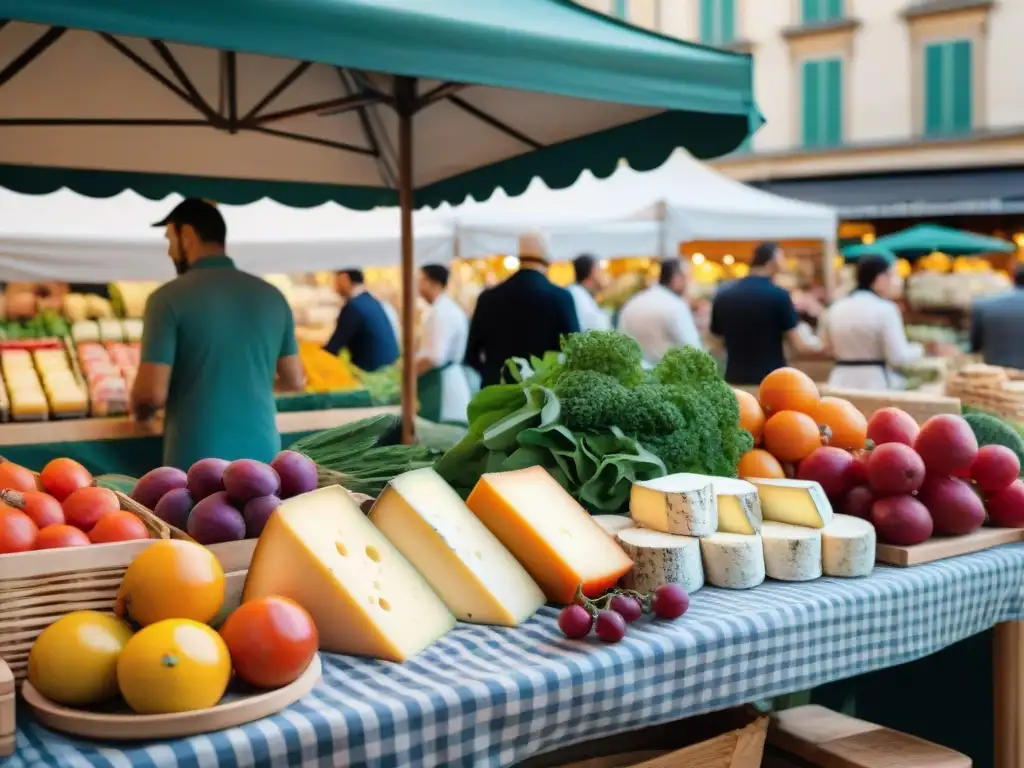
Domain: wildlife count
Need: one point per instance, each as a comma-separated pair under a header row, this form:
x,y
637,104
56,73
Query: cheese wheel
x,y
791,553
612,524
682,504
661,558
733,560
848,547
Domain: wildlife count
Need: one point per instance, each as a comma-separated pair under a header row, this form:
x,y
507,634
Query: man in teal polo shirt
x,y
214,340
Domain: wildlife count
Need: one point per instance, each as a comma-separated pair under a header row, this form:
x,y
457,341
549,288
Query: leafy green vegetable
x,y
598,422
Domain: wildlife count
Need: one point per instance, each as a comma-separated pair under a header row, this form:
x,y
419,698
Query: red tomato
x,y
271,640
86,506
17,531
118,526
17,477
42,508
62,477
58,536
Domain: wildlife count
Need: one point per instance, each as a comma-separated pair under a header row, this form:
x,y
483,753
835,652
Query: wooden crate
x,y
730,739
918,404
829,739
7,729
37,588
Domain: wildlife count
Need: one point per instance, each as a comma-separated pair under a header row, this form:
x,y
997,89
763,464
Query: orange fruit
x,y
172,579
118,526
84,507
759,463
42,508
17,477
847,426
791,436
271,640
60,536
62,477
787,389
17,531
751,415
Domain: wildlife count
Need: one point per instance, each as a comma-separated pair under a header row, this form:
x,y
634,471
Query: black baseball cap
x,y
199,214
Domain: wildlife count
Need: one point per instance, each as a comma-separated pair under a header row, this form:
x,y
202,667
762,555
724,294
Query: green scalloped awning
x,y
503,92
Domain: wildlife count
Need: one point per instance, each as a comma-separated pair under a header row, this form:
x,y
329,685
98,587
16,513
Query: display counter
x,y
126,447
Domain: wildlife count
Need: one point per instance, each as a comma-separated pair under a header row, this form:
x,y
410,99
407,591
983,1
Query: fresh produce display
x,y
325,372
60,509
364,455
218,501
383,385
989,429
87,306
598,421
609,615
175,662
109,370
44,324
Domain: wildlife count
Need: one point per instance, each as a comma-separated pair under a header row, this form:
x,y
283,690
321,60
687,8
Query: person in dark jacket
x,y
523,316
364,328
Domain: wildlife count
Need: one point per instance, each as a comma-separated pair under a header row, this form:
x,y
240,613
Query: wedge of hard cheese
x,y
682,504
548,532
475,576
848,547
364,596
661,558
612,524
739,506
797,502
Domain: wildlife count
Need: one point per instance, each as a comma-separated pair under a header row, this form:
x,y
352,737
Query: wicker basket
x,y
730,739
37,588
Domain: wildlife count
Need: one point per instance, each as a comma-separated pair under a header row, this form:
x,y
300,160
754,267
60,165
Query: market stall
x,y
486,696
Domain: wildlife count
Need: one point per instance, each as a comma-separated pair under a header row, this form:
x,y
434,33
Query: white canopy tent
x,y
633,213
65,236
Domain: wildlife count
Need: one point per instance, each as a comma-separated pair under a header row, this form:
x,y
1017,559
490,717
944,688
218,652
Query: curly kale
x,y
608,352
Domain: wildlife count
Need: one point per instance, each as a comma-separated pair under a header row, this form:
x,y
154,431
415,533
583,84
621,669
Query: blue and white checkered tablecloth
x,y
492,697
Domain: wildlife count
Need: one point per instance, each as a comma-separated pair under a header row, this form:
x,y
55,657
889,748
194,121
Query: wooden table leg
x,y
1008,653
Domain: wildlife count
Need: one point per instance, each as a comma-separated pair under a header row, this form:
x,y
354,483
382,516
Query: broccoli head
x,y
686,366
609,352
590,400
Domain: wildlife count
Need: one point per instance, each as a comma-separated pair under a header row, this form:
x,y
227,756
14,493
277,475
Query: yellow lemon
x,y
172,580
74,661
175,665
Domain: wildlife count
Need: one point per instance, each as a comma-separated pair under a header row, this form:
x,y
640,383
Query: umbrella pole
x,y
405,97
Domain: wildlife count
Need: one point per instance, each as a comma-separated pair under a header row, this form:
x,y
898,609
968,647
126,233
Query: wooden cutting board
x,y
941,547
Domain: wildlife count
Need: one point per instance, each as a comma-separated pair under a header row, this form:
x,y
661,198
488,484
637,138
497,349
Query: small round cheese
x,y
791,553
848,547
661,558
733,560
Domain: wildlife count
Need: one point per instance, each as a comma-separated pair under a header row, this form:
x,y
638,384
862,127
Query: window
x,y
717,22
822,103
948,94
620,8
822,11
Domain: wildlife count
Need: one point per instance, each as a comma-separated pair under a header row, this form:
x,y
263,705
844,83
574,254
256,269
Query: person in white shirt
x,y
660,318
864,331
590,279
442,385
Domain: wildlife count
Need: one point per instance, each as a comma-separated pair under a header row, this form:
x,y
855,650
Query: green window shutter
x,y
812,11
948,88
621,10
834,10
833,99
707,22
811,73
961,87
934,76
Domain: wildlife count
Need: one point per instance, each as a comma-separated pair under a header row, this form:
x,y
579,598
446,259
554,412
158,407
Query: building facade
x,y
890,110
